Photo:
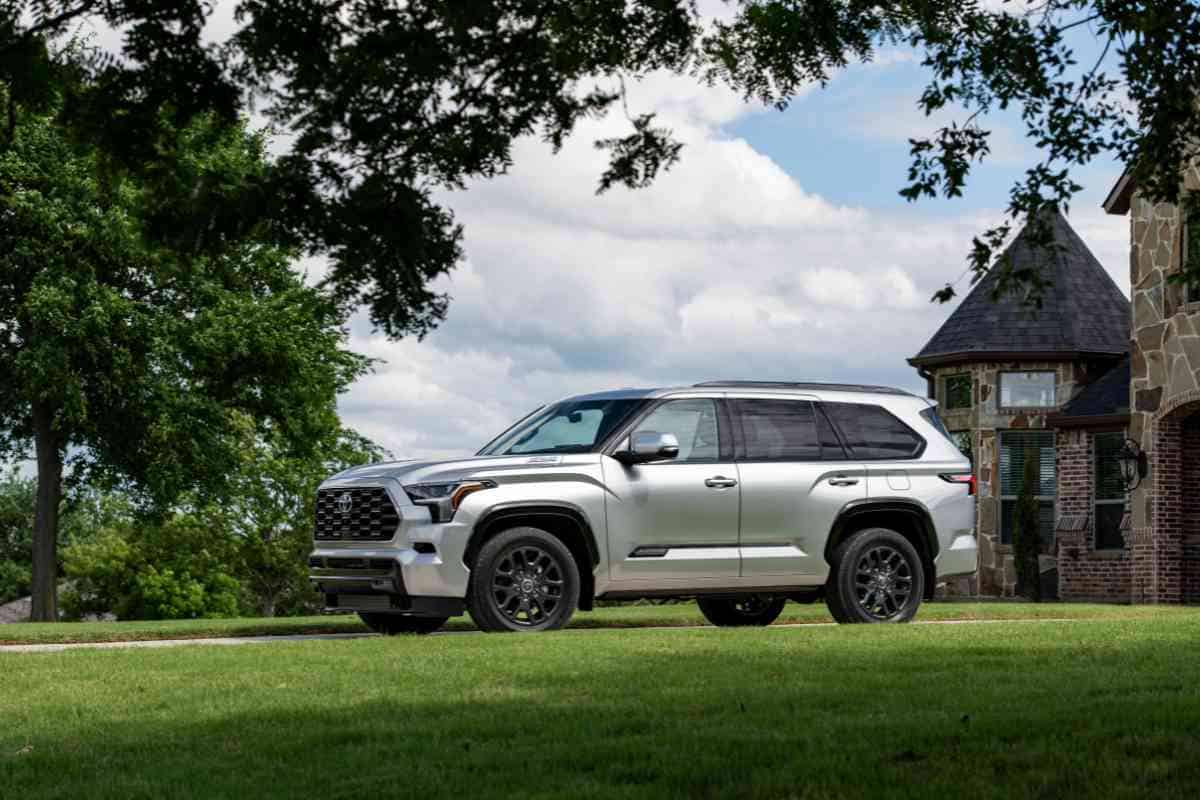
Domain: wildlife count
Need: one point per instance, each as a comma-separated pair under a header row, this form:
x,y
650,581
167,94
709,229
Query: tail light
x,y
967,478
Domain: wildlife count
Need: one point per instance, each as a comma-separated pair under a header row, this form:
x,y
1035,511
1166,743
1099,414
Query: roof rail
x,y
809,386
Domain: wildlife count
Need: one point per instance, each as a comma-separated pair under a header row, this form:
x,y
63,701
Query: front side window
x,y
873,433
1016,448
1027,389
956,391
572,426
1109,492
694,424
781,430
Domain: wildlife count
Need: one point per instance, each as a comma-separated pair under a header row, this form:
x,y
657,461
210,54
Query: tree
x,y
1027,539
269,508
389,100
144,322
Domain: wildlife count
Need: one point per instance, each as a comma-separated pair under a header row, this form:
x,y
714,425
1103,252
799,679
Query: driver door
x,y
673,523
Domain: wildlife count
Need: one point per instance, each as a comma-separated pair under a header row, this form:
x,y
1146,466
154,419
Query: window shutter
x,y
1015,447
1110,485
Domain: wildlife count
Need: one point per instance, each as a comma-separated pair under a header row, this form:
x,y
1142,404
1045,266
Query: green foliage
x,y
1027,540
178,568
16,535
391,100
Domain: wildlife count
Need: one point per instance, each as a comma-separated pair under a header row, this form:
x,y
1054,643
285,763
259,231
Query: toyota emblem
x,y
344,502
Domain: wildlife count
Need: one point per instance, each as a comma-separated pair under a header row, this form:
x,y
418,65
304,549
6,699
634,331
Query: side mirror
x,y
649,446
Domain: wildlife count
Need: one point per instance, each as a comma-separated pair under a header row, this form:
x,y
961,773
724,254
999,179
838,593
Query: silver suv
x,y
742,495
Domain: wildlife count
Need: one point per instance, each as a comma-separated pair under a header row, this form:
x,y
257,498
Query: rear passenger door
x,y
887,448
796,478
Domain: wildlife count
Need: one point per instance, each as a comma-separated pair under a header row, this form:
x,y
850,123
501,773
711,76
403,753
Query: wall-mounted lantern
x,y
1134,464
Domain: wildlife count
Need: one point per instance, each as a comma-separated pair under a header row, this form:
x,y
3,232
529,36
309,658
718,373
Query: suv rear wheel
x,y
753,609
876,576
524,579
392,624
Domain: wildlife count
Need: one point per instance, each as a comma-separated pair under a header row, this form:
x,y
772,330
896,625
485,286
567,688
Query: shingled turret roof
x,y
1083,312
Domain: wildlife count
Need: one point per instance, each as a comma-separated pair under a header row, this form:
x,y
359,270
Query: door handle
x,y
842,480
720,482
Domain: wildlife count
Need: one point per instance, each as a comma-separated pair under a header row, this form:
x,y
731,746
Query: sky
x,y
778,249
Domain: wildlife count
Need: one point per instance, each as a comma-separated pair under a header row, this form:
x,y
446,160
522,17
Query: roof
x,y
1103,400
1119,195
1083,312
802,386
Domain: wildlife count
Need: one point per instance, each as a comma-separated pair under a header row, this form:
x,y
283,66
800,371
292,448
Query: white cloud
x,y
726,267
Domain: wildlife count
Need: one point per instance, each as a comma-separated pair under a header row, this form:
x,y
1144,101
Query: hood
x,y
457,469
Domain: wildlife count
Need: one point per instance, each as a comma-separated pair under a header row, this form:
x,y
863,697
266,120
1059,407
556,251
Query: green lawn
x,y
618,617
1100,707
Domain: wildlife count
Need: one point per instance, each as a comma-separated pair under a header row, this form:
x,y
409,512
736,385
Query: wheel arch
x,y
911,520
565,523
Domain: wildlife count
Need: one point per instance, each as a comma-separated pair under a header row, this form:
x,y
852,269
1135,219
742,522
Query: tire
x,y
876,576
392,624
754,609
523,580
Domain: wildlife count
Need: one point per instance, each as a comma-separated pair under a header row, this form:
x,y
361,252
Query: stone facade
x,y
1084,573
1166,400
984,419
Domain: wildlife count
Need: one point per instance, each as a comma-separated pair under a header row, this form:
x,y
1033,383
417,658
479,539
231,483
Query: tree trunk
x,y
45,523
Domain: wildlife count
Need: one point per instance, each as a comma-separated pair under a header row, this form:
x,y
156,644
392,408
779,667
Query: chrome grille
x,y
359,514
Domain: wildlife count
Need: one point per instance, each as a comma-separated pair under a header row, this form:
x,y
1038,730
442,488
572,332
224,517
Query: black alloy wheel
x,y
524,579
876,575
747,610
393,624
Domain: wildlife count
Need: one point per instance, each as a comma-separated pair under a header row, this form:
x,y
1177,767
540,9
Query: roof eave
x,y
972,356
1088,421
1120,195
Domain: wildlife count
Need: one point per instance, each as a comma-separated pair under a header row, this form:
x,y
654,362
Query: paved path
x,y
309,637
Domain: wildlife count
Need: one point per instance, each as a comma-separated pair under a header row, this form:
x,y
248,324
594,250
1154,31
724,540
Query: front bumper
x,y
372,582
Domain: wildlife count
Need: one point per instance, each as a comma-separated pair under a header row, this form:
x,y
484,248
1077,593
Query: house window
x,y
1109,492
1190,258
956,391
1027,389
964,440
1016,447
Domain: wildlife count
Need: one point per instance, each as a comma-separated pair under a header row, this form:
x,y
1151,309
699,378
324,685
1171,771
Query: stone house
x,y
1164,546
1013,383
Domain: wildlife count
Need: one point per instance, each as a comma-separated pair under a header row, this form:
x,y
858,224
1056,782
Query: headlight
x,y
443,499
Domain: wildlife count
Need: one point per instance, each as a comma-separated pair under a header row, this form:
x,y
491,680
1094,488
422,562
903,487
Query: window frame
x,y
1001,496
725,437
1000,388
945,381
1123,500
1191,290
849,449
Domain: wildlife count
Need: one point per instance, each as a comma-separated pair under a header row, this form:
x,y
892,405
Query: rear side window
x,y
874,433
783,430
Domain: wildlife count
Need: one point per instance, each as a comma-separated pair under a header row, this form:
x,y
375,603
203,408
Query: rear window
x,y
873,433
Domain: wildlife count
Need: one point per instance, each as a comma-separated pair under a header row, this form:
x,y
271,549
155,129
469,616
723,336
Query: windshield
x,y
573,426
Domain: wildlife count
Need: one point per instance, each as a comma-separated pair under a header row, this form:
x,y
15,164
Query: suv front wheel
x,y
753,609
524,579
876,576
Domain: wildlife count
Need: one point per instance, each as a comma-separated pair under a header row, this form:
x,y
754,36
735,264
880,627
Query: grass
x,y
614,617
1102,707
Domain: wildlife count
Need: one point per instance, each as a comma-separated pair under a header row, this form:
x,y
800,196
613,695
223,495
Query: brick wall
x,y
1083,572
1189,491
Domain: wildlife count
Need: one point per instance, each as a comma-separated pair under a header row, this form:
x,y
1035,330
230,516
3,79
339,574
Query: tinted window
x,y
694,423
780,429
873,433
573,426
